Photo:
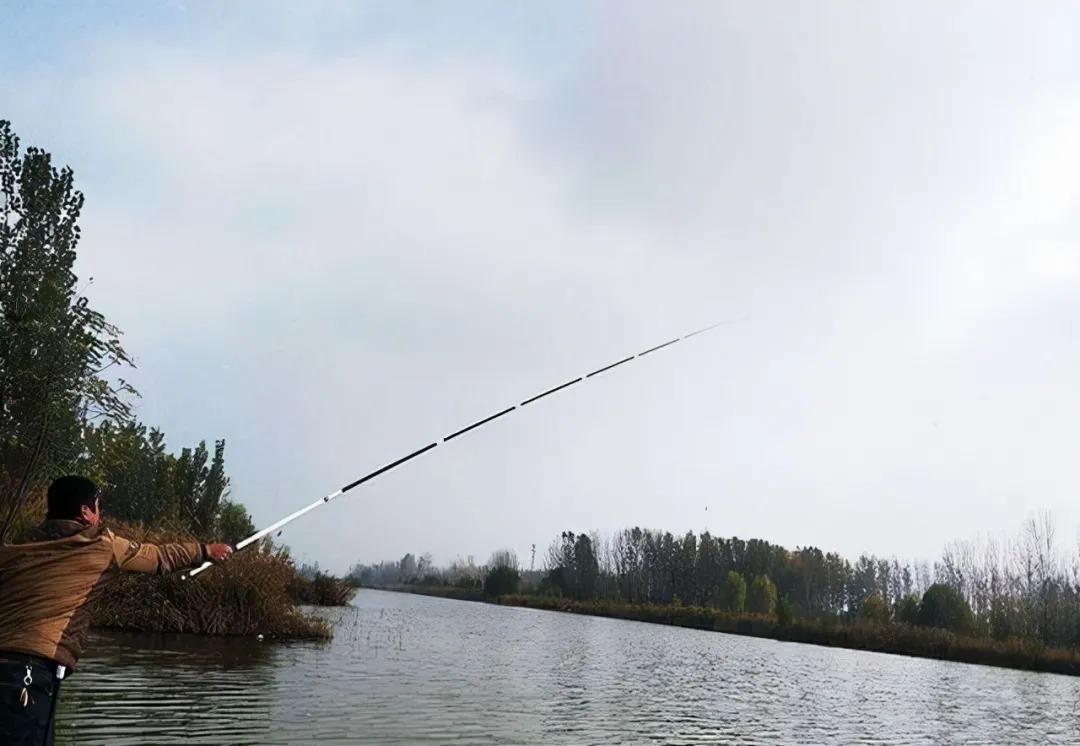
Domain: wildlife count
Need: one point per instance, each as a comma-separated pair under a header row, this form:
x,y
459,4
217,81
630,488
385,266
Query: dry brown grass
x,y
247,595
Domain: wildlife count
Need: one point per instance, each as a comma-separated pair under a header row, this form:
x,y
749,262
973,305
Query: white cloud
x,y
349,168
1021,246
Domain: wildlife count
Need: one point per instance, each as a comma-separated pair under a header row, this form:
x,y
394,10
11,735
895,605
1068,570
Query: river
x,y
407,669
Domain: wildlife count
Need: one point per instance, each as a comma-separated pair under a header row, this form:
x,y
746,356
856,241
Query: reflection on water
x,y
409,669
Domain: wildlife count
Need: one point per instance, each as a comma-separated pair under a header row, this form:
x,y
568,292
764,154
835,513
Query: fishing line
x,y
447,438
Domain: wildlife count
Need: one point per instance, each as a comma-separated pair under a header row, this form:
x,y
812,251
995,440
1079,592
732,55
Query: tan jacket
x,y
47,585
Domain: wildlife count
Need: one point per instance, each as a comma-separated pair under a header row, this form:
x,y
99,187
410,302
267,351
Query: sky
x,y
333,232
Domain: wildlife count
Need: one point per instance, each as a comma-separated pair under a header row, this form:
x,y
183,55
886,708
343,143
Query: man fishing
x,y
47,587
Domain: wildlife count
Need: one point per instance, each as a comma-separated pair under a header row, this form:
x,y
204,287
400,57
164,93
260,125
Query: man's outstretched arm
x,y
135,556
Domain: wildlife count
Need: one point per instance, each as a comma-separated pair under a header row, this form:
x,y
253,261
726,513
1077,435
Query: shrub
x,y
907,610
784,613
761,598
733,593
944,607
874,609
322,590
247,595
502,580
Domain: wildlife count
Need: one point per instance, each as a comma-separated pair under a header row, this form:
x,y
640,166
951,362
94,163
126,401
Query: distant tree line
x,y
463,573
500,575
1019,589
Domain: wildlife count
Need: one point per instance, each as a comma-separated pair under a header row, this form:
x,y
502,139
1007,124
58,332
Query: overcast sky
x,y
333,232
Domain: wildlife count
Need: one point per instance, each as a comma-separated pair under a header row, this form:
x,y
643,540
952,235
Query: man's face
x,y
92,517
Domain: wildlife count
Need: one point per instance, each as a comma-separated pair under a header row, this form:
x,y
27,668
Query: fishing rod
x,y
446,439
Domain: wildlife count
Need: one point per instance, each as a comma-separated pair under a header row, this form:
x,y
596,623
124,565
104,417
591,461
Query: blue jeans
x,y
27,720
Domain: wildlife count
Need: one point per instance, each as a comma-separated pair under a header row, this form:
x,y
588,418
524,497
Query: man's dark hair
x,y
68,495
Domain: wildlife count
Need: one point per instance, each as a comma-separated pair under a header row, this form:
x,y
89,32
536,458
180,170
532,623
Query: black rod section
x,y
388,467
609,367
551,391
484,421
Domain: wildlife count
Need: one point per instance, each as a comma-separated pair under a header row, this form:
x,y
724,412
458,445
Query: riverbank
x,y
438,591
893,638
897,639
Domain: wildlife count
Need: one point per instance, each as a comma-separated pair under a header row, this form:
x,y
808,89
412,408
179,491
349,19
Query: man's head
x,y
74,498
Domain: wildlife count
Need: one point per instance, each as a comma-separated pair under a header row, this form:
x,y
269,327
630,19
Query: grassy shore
x,y
897,639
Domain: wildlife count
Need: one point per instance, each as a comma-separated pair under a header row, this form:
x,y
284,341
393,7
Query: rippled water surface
x,y
410,669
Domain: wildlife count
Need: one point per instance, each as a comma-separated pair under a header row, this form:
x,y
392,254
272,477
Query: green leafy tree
x,y
120,457
874,609
907,609
573,568
234,523
587,567
733,597
54,349
784,613
502,576
149,485
197,488
761,597
946,608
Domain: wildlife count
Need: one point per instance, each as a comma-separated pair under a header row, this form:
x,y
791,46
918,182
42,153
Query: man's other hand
x,y
218,552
